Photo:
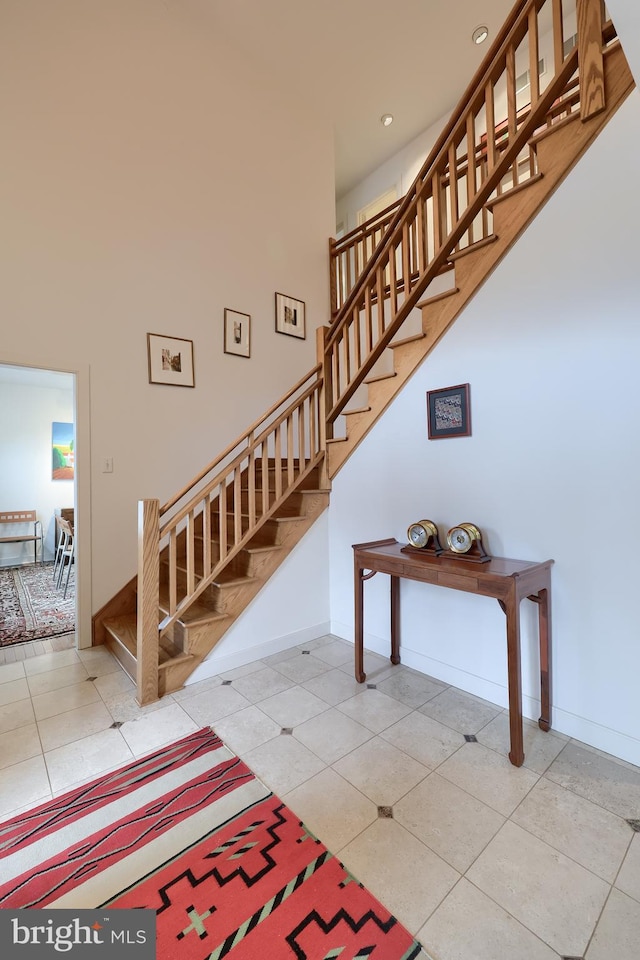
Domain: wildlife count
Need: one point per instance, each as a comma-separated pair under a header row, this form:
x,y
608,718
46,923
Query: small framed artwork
x,y
237,333
290,316
448,412
170,360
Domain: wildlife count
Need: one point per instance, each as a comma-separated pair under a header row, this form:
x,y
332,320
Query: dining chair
x,y
67,552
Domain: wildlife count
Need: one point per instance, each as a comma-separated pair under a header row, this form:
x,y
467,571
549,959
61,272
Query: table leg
x,y
516,753
359,625
395,620
544,628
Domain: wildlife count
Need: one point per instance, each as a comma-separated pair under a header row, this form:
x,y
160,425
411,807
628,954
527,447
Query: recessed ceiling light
x,y
480,34
386,119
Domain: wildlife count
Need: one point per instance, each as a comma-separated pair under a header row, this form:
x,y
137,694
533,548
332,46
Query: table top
x,y
392,554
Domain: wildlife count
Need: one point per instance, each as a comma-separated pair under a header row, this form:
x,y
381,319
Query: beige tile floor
x,y
480,860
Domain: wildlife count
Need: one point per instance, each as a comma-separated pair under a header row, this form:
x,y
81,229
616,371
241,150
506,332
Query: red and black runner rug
x,y
190,832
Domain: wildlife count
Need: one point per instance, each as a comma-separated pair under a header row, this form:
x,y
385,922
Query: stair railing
x,y
198,531
477,157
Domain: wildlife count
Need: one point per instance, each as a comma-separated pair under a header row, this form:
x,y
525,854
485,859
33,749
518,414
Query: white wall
x,y
150,177
26,415
550,347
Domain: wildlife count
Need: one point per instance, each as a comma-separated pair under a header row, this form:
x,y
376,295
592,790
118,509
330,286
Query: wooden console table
x,y
507,581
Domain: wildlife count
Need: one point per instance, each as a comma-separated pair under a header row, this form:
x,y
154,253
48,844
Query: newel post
x,y
590,57
148,600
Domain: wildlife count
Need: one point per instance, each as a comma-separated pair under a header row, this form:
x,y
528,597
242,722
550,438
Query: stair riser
x,y
244,564
122,655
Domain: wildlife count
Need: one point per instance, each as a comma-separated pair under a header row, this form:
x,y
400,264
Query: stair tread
x,y
197,613
435,298
413,339
230,579
348,413
380,376
472,247
556,125
125,629
245,516
513,191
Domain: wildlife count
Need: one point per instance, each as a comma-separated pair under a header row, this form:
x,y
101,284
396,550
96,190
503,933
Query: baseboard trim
x,y
590,732
220,663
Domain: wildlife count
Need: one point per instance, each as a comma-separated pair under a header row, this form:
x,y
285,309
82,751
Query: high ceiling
x,y
356,60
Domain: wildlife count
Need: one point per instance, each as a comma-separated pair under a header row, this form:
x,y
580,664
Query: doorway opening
x,y
38,451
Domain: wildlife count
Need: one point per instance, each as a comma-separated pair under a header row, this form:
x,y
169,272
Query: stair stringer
x,y
558,150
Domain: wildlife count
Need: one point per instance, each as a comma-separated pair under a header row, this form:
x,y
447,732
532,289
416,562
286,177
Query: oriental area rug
x,y
192,834
31,607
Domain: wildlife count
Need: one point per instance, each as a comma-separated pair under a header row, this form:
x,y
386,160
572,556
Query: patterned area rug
x,y
190,832
31,607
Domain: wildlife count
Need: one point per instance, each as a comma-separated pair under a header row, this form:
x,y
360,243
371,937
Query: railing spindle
x,y
173,571
251,476
277,456
406,260
290,451
380,299
534,56
191,553
558,35
334,267
393,282
437,211
222,521
264,471
301,439
206,537
512,122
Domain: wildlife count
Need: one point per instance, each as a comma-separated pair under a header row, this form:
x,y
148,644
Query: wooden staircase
x,y
204,555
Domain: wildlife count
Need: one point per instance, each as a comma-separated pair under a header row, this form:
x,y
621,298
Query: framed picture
x,y
290,316
448,413
62,455
170,360
237,333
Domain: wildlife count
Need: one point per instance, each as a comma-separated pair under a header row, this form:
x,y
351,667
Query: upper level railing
x,y
485,150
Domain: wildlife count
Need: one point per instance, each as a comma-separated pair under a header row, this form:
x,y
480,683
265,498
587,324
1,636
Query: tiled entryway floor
x,y
480,860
